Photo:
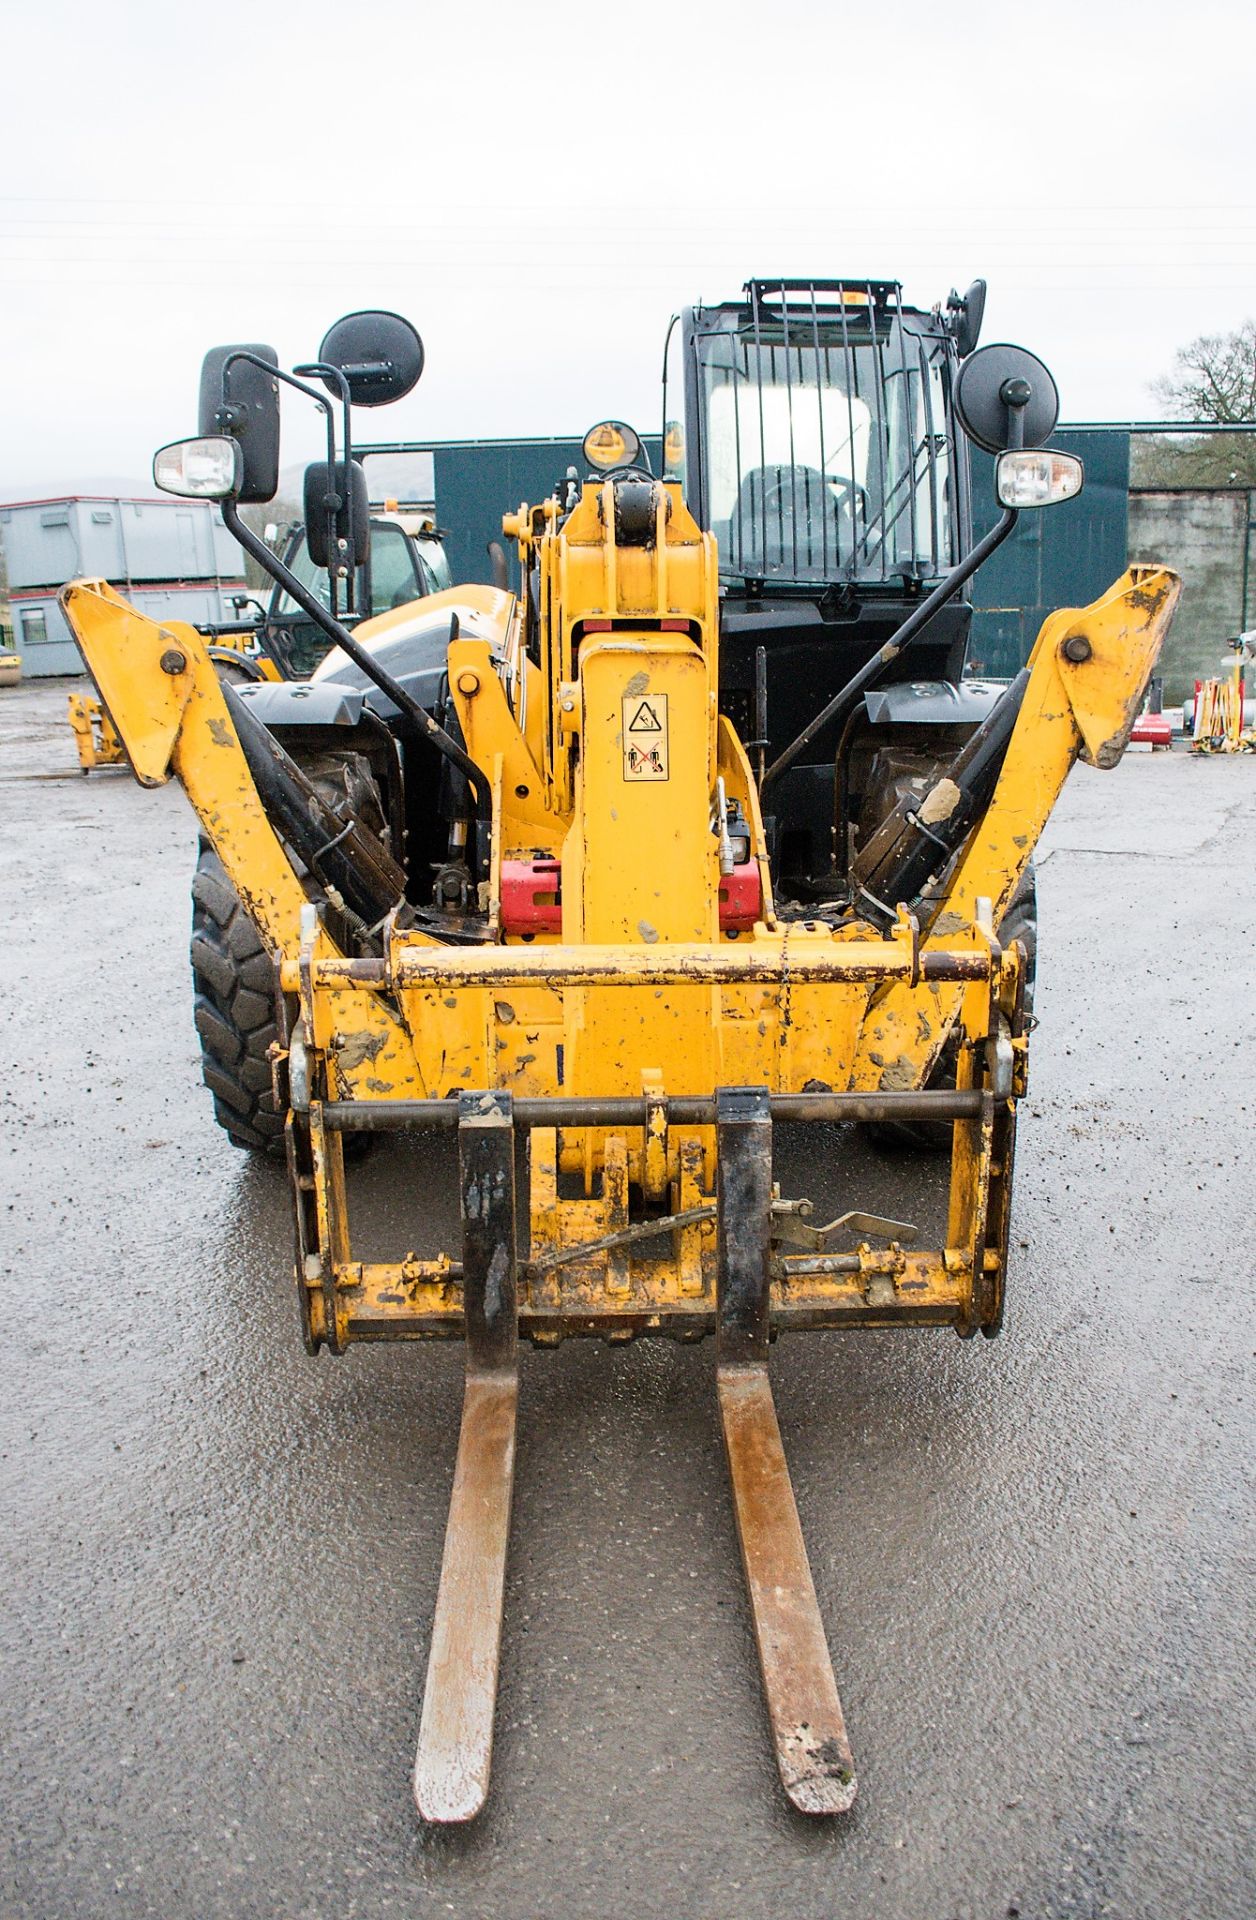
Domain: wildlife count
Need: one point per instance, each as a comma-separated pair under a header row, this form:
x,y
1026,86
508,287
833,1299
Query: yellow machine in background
x,y
95,737
95,740
608,981
1219,703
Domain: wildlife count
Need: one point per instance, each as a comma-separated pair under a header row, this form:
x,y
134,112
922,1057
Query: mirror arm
x,y
277,373
1015,395
341,637
914,625
321,401
327,372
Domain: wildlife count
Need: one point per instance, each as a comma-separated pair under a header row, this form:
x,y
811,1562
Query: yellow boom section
x,y
1089,671
162,695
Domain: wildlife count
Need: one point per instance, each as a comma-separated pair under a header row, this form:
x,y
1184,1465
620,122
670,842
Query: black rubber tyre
x,y
235,673
234,983
935,1136
233,977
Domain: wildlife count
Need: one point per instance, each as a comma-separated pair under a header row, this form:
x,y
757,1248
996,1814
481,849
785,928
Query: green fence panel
x,y
1057,557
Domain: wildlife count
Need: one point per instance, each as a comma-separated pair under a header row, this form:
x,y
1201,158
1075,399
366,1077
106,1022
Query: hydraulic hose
x,y
920,837
340,634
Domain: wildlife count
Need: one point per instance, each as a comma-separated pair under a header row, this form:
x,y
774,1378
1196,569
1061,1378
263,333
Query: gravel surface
x,y
1033,1556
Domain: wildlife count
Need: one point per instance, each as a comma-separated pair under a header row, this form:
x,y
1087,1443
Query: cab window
x,y
393,579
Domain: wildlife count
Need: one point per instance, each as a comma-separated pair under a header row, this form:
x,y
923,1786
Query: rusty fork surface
x,y
451,1770
808,1729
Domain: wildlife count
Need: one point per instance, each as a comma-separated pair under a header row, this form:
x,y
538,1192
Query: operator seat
x,y
786,518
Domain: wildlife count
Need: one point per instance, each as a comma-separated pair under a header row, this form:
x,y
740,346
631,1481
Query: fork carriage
x,y
675,1228
635,1249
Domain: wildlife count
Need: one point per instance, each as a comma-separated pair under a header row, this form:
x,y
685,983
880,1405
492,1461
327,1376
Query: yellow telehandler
x,y
700,832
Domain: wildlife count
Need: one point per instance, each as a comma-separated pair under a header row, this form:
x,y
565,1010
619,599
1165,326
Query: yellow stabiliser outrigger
x,y
642,1053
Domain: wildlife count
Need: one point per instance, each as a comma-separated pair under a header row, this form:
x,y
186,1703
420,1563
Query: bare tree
x,y
1213,379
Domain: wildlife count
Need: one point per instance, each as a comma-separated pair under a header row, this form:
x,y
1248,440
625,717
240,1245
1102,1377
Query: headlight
x,y
612,444
1032,477
206,469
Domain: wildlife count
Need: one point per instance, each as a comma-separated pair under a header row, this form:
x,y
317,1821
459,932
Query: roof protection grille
x,y
826,434
773,296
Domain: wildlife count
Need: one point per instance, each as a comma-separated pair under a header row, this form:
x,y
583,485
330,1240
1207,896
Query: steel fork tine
x,y
808,1728
451,1770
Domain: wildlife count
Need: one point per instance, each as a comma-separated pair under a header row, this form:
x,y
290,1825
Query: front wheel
x,y
234,984
233,976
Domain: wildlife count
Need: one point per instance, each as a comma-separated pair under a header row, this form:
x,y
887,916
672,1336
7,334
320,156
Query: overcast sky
x,y
539,188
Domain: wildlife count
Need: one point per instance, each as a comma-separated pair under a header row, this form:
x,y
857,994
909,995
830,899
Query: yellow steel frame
x,y
641,995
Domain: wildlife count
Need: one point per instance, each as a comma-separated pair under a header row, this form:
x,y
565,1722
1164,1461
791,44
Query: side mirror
x,y
241,399
353,516
380,355
967,310
1006,397
206,469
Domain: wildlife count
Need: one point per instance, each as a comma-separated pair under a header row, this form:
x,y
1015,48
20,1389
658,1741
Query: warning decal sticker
x,y
645,737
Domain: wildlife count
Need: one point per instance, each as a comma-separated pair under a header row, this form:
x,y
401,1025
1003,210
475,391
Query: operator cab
x,y
811,426
815,439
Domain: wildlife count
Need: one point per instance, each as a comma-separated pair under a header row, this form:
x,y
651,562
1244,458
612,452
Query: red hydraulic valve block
x,y
532,897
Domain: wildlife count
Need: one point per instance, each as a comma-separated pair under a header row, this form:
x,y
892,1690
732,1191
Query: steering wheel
x,y
784,488
849,497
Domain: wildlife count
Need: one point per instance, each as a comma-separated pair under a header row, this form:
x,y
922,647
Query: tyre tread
x,y
233,1011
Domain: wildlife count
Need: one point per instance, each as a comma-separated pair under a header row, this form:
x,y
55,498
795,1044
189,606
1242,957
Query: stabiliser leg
x,y
808,1730
451,1771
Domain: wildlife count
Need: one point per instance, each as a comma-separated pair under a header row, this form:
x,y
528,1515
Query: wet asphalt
x,y
220,1558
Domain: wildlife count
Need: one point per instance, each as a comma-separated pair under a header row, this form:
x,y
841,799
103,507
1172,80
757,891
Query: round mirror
x,y
380,355
985,383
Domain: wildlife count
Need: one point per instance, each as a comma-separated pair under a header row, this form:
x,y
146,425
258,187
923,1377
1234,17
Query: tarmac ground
x,y
1033,1555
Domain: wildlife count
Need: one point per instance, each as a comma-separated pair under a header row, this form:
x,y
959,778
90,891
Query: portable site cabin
x,y
173,559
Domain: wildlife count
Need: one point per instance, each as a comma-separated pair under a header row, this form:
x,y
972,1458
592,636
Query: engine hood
x,y
411,643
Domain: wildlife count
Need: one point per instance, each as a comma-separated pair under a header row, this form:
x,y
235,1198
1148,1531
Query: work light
x,y
1033,477
205,469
